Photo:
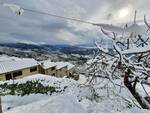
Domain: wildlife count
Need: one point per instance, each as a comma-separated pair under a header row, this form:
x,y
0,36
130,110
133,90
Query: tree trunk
x,y
1,106
131,87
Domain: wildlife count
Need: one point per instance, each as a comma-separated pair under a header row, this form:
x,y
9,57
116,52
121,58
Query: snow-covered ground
x,y
75,99
56,104
64,103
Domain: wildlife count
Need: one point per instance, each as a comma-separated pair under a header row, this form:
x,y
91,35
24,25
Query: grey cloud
x,y
39,28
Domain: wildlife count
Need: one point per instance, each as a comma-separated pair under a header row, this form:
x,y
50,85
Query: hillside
x,y
74,99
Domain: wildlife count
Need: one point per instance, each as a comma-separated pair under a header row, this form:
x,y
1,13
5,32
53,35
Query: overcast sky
x,y
35,28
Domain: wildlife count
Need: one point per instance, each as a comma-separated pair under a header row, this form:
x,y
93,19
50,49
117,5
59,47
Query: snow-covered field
x,y
75,99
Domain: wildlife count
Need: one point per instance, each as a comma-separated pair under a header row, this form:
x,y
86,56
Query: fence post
x,y
0,105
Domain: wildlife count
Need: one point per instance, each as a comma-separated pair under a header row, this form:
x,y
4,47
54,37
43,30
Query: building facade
x,y
58,69
51,71
16,69
61,72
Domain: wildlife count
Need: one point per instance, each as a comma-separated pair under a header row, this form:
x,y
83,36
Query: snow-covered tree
x,y
128,61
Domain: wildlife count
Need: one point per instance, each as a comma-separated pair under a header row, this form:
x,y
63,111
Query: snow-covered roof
x,y
60,65
48,64
69,65
14,65
7,58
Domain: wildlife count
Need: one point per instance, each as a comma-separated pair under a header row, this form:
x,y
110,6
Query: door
x,y
8,76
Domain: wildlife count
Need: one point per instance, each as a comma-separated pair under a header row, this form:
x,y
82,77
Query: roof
x,y
14,65
48,64
69,65
60,65
6,58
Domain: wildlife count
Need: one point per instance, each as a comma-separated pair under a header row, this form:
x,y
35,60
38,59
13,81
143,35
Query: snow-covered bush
x,y
30,87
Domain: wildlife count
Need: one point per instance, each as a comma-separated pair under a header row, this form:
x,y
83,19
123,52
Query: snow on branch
x,y
111,35
128,61
110,28
137,50
15,8
105,50
146,23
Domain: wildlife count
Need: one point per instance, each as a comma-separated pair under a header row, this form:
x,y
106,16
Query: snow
x,y
137,50
111,28
135,29
15,101
7,58
101,48
69,65
76,98
48,64
15,8
82,79
67,102
8,64
13,65
57,104
140,89
47,80
60,65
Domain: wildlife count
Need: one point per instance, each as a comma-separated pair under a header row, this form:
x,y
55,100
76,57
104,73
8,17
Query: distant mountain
x,y
42,46
92,45
84,49
21,46
86,45
72,49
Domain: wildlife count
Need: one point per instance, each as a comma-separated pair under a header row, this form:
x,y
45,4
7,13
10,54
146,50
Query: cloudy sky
x,y
36,28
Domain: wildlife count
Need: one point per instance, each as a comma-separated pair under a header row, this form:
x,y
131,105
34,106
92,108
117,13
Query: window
x,y
33,69
70,74
8,76
53,68
53,74
17,73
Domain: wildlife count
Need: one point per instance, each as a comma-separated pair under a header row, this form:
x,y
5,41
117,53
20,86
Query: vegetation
x,y
129,61
27,88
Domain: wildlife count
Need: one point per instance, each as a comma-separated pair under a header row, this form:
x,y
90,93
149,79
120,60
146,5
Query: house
x,y
14,69
61,69
71,73
48,68
58,69
70,69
